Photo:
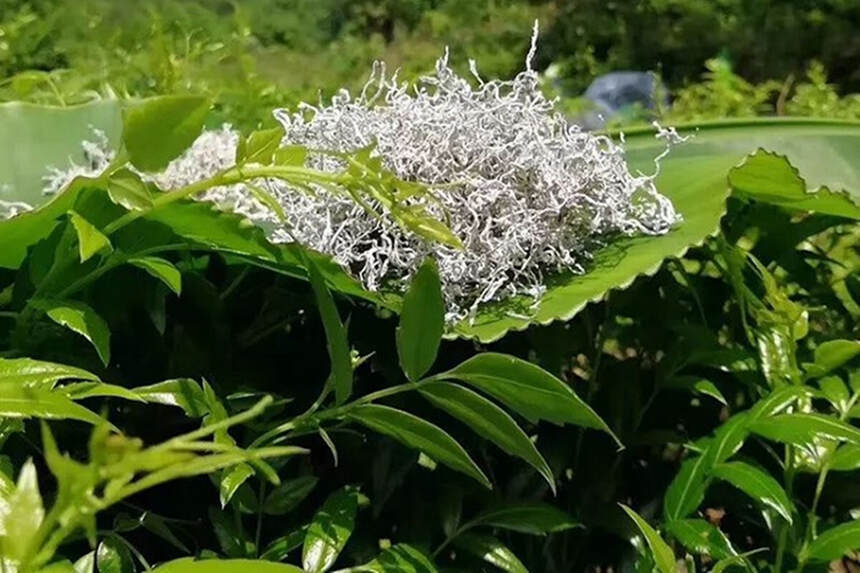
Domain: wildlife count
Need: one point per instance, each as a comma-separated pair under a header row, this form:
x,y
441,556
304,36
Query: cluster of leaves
x,y
372,444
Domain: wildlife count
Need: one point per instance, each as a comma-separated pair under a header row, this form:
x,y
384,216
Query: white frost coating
x,y
528,194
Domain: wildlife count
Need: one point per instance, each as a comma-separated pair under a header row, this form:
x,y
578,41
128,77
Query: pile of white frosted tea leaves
x,y
527,193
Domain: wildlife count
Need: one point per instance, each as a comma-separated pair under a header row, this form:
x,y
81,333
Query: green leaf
x,y
329,531
90,239
157,130
230,480
112,556
260,146
79,318
86,564
289,494
836,392
728,439
805,428
757,484
487,420
835,542
29,372
127,189
22,515
490,550
693,177
527,389
831,355
36,137
687,490
182,392
267,199
419,434
190,565
846,458
663,556
81,390
697,385
336,340
34,402
400,558
422,320
291,156
161,269
770,178
533,518
701,538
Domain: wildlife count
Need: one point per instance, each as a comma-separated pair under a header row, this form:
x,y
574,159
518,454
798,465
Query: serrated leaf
x,y
127,189
33,402
487,420
664,557
771,178
757,484
527,389
803,429
336,339
182,392
90,239
190,565
161,269
29,372
422,321
835,542
329,531
534,518
157,130
289,494
490,550
419,434
701,538
79,318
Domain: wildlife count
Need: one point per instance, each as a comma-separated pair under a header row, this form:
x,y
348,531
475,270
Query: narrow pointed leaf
x,y
90,239
534,518
230,480
701,538
338,345
419,434
663,556
687,490
835,542
161,269
32,402
81,390
804,428
289,494
422,320
487,420
79,318
29,372
490,550
527,389
182,392
329,531
757,484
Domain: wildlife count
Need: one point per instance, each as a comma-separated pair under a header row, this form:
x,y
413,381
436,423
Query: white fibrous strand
x,y
529,194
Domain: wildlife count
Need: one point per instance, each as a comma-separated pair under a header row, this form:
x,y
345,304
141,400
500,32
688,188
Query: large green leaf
x,y
687,490
489,421
527,389
835,542
29,372
190,565
419,434
33,402
534,518
400,558
157,130
701,538
34,138
803,429
490,550
694,177
664,557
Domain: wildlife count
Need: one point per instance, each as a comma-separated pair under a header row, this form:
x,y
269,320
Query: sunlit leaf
x,y
835,542
701,538
126,188
757,484
490,550
329,531
805,428
90,239
34,402
831,355
190,565
182,392
157,130
422,320
29,372
23,515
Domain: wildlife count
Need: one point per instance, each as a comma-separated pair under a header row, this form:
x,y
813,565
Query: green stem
x,y
782,544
